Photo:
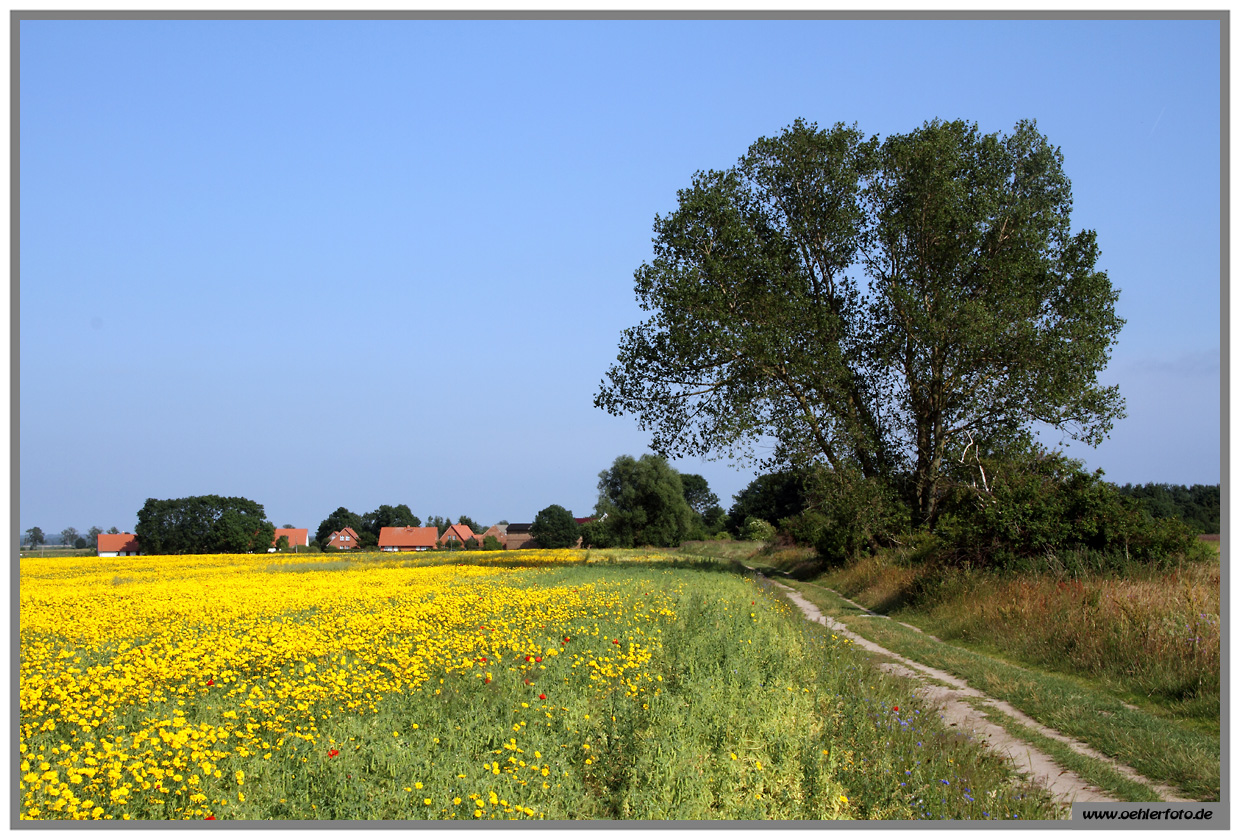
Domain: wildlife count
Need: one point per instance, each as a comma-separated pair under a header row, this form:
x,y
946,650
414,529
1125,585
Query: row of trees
x,y
1199,507
34,537
203,525
368,525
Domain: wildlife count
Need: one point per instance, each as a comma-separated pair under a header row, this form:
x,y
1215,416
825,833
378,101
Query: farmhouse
x,y
457,534
408,538
118,545
297,537
344,538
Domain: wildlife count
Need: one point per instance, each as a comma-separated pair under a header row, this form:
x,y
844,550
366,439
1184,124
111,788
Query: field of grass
x,y
513,685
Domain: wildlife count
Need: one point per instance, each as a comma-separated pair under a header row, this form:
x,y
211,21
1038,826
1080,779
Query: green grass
x,y
1157,748
1098,773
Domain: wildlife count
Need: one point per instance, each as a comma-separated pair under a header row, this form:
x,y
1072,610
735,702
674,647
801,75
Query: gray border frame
x,y
1222,818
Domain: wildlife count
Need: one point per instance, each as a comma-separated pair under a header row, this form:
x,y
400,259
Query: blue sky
x,y
324,263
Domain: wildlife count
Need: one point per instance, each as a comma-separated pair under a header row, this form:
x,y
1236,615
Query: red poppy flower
x,y
615,641
527,659
333,753
538,659
487,680
210,682
895,708
208,818
566,640
542,697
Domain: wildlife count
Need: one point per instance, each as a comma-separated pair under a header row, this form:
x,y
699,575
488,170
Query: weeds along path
x,y
958,706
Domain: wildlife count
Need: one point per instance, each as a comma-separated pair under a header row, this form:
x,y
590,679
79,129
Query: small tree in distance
x,y
554,527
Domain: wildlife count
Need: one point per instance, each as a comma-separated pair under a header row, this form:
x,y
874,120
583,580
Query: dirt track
x,y
1065,785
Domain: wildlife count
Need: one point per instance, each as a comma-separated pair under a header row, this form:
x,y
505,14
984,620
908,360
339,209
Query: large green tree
x,y
697,493
643,502
874,307
203,525
554,527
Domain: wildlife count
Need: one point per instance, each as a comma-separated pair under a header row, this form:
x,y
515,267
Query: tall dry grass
x,y
1150,634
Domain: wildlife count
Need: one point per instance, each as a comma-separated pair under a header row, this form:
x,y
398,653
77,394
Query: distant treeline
x,y
1198,506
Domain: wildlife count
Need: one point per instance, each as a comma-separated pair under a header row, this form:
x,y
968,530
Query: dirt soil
x,y
1065,785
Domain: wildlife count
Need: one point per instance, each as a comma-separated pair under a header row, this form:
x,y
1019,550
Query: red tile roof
x,y
461,532
118,542
296,536
408,537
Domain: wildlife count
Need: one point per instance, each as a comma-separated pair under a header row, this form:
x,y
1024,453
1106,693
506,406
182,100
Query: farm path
x,y
957,711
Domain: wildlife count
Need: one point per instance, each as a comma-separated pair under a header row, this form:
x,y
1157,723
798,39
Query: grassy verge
x,y
1157,748
1091,769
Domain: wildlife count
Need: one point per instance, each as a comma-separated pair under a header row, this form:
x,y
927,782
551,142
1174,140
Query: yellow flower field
x,y
241,660
489,685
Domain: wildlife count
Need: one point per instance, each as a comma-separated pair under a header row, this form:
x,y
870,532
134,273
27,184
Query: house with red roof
x,y
408,538
345,538
494,531
297,537
118,545
457,533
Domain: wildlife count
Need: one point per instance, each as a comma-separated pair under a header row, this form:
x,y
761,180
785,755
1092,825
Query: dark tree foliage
x,y
697,493
554,527
644,503
440,523
387,516
470,524
491,543
339,519
874,307
594,534
93,536
1199,507
771,497
81,542
203,525
35,537
1034,505
282,543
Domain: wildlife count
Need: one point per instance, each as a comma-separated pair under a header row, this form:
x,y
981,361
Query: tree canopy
x,y
874,307
697,493
554,527
337,520
203,525
643,502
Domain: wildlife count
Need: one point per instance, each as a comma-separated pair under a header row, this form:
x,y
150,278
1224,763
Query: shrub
x,y
1037,505
491,543
758,529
